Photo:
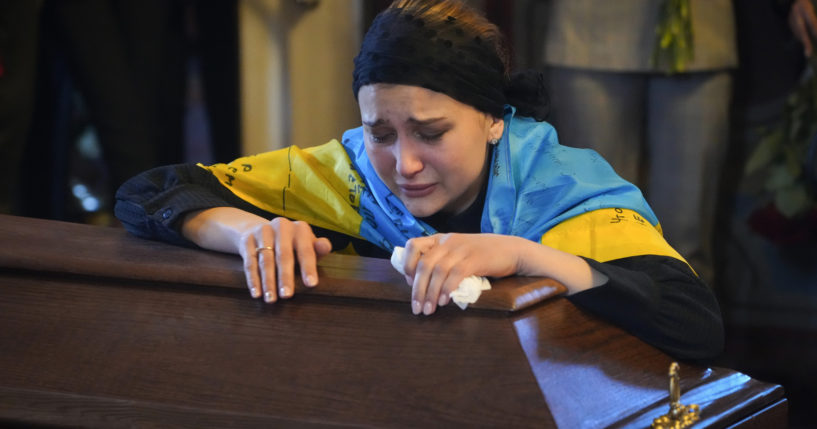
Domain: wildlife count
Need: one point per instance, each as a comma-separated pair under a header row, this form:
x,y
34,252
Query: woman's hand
x,y
270,252
435,265
270,249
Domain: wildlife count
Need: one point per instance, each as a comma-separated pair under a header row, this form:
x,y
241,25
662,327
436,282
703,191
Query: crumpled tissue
x,y
466,293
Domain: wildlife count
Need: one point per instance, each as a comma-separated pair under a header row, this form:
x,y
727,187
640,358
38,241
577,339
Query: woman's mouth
x,y
416,191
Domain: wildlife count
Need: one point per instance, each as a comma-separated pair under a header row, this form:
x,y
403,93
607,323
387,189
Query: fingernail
x,y
427,309
311,280
284,292
255,293
268,296
441,301
415,307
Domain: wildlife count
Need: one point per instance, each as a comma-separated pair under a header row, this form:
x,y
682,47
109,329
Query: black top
x,y
656,298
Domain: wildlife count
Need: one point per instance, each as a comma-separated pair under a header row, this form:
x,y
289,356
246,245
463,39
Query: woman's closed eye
x,y
381,137
429,136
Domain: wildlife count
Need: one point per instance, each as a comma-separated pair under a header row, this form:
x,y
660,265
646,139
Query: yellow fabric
x,y
608,234
316,185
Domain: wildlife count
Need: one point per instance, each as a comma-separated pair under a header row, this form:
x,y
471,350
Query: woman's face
x,y
429,149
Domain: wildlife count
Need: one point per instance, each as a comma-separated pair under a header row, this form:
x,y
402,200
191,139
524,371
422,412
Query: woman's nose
x,y
407,159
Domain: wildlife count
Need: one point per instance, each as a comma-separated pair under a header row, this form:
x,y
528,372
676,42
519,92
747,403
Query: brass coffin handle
x,y
679,415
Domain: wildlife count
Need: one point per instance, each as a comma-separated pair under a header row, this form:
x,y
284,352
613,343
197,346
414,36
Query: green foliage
x,y
674,38
779,156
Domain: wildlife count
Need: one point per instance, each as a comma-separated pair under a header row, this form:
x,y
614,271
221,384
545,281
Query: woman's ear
x,y
496,128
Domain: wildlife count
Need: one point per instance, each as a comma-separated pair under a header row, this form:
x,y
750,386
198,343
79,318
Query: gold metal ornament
x,y
679,416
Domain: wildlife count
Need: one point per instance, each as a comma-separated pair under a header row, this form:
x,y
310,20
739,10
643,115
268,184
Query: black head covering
x,y
400,48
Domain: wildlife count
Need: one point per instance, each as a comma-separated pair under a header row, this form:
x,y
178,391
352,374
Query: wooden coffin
x,y
102,329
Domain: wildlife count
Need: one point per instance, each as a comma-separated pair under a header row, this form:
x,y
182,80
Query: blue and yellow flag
x,y
567,198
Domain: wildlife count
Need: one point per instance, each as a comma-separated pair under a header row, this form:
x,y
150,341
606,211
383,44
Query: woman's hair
x,y
471,22
447,47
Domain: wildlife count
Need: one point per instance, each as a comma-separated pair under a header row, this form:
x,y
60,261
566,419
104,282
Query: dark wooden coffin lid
x,y
136,338
34,244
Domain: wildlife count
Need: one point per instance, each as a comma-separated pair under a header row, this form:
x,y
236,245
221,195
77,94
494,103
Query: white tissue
x,y
466,293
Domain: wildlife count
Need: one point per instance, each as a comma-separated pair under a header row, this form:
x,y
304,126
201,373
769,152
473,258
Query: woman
x,y
455,163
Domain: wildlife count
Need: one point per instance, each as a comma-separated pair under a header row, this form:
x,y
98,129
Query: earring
x,y
493,142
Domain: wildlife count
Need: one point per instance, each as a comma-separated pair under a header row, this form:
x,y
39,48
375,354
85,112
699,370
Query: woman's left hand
x,y
435,265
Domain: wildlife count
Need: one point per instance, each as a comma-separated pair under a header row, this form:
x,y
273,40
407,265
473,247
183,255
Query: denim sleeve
x,y
153,204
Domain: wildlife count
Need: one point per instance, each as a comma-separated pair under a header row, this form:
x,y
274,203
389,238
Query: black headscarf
x,y
400,48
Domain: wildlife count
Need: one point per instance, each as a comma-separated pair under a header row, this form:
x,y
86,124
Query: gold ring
x,y
264,248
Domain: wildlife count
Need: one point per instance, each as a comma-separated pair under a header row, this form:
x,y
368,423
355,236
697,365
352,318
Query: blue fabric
x,y
534,184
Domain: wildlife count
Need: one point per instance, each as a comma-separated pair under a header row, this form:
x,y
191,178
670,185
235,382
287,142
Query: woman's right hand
x,y
270,248
270,252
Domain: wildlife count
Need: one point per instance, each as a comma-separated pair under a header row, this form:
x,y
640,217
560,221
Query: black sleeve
x,y
659,300
152,204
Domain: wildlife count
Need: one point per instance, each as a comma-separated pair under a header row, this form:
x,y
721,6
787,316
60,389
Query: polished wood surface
x,y
118,347
61,247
